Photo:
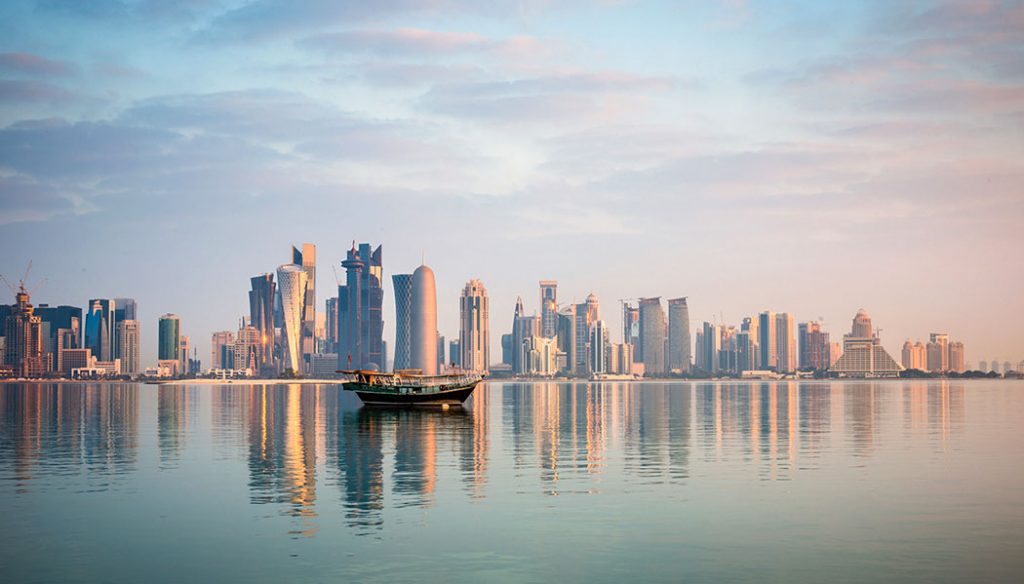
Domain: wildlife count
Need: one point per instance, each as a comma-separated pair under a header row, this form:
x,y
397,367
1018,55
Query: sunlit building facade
x,y
864,356
291,280
652,336
678,335
474,328
423,322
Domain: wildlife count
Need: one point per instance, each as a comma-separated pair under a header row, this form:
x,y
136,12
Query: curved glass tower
x,y
291,280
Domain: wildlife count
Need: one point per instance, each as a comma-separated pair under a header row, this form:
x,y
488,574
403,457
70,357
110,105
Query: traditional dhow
x,y
411,388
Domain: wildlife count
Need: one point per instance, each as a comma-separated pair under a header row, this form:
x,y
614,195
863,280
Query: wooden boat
x,y
411,388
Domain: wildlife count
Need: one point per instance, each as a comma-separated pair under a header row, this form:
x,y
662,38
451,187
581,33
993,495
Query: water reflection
x,y
306,449
57,429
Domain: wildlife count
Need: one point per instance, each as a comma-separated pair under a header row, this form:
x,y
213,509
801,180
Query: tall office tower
x,y
475,327
261,316
23,338
938,352
218,341
548,308
455,353
507,349
678,335
246,348
124,309
567,336
745,351
306,259
61,329
128,349
360,304
587,313
403,312
907,355
291,281
630,324
331,325
768,341
785,342
711,347
517,336
423,321
99,329
814,346
956,357
184,350
169,338
727,355
652,336
751,347
598,347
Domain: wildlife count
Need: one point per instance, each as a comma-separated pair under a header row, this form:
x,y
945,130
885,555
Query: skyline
x,y
801,157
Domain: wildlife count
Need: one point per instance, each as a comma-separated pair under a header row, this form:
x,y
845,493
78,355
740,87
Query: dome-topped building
x,y
863,353
423,322
861,325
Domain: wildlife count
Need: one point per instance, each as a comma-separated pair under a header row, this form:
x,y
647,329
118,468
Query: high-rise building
x,y
631,325
403,314
598,347
360,304
169,338
785,342
475,327
518,336
938,352
567,337
184,350
767,340
455,353
291,280
23,338
914,355
124,309
306,259
864,356
678,335
99,329
652,336
587,313
61,329
423,321
441,346
539,354
261,317
218,341
956,357
128,346
710,348
548,308
748,354
814,346
246,348
728,353
331,325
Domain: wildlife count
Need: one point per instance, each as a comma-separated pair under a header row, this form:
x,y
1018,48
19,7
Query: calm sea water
x,y
535,482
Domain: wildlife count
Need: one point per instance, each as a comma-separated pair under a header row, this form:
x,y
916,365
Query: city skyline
x,y
733,153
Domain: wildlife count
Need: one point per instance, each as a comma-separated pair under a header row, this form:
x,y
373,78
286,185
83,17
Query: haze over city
x,y
748,156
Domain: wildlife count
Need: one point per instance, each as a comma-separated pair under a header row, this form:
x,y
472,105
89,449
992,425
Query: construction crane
x,y
22,284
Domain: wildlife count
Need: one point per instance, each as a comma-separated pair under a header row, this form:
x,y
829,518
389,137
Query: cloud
x,y
29,91
30,64
418,42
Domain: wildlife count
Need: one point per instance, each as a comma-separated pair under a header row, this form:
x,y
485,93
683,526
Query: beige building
x,y
475,327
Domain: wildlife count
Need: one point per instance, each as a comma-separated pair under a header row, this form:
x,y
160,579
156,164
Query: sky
x,y
811,157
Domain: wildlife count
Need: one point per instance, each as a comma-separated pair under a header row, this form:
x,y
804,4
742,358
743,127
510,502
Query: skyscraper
x,y
956,357
587,313
518,336
678,335
711,347
475,327
864,356
306,259
61,329
785,342
169,338
748,354
652,336
218,341
814,346
291,280
261,317
128,350
23,338
768,340
124,309
567,336
423,321
331,325
548,308
598,347
99,329
403,313
938,352
360,303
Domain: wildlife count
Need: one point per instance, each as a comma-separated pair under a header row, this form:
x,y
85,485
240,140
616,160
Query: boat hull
x,y
448,397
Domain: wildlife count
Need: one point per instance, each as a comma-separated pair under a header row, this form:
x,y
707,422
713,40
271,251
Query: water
x,y
536,482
